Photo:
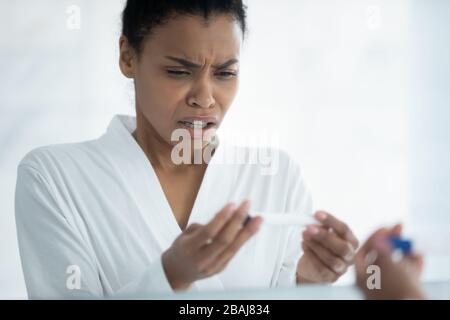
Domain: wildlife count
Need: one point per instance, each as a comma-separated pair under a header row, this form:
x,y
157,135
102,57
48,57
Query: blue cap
x,y
404,245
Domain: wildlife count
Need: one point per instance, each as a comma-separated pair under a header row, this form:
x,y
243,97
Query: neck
x,y
157,150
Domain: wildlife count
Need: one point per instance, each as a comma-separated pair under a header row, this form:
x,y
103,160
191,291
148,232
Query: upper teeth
x,y
196,124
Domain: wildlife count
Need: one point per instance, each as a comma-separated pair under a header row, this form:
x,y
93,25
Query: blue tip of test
x,y
405,246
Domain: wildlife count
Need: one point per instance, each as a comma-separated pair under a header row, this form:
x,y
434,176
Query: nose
x,y
201,95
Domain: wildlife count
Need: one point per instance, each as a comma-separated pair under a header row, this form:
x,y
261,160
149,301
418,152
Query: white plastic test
x,y
285,219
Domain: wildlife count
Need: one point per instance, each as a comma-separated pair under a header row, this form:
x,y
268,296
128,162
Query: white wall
x,y
357,90
57,85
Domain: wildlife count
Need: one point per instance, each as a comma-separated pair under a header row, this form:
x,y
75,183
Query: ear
x,y
127,60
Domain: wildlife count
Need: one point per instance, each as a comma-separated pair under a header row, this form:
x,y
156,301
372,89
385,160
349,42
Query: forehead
x,y
197,39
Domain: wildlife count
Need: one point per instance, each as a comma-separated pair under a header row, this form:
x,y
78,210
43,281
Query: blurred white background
x,y
358,91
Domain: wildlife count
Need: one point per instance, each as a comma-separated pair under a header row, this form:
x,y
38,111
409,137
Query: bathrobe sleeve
x,y
299,200
57,262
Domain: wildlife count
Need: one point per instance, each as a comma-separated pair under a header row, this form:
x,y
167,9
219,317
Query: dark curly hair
x,y
141,16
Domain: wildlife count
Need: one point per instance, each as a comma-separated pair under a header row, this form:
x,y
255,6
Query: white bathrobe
x,y
93,220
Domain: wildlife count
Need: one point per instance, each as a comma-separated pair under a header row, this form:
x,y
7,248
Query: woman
x,y
122,215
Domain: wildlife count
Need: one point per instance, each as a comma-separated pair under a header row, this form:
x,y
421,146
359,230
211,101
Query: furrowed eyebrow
x,y
227,64
190,64
184,62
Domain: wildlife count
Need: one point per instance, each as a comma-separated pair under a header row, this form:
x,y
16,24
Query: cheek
x,y
226,94
154,88
158,101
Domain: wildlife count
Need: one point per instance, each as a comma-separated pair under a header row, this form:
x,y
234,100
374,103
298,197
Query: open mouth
x,y
197,124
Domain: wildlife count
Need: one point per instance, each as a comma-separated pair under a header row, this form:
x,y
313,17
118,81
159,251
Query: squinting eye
x,y
178,73
226,74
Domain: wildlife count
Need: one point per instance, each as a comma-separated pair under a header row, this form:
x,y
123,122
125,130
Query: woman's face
x,y
186,75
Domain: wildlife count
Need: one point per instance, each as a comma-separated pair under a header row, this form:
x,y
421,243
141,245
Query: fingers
x,y
378,245
203,235
243,236
229,231
373,238
396,230
379,240
325,273
361,258
191,228
330,241
338,226
329,259
203,250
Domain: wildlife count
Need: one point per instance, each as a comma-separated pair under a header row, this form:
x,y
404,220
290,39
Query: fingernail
x,y
321,216
256,224
370,257
349,256
313,230
339,268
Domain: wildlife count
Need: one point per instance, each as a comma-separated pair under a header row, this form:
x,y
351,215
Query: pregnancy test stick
x,y
286,219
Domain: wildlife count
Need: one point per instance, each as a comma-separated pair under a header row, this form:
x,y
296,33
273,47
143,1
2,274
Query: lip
x,y
199,133
210,120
